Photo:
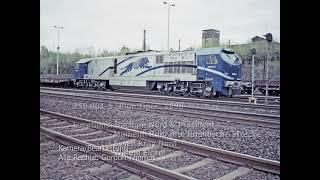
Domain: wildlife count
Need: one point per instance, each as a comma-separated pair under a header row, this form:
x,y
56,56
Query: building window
x,y
159,59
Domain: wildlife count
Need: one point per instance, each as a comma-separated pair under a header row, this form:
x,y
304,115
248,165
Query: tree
x,y
106,53
66,61
44,54
124,50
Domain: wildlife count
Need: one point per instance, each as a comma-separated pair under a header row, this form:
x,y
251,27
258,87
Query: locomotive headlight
x,y
208,88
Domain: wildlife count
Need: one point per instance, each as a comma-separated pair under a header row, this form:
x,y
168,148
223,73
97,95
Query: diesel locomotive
x,y
209,72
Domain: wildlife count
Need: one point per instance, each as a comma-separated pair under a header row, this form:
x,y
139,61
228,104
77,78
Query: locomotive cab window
x,y
230,57
211,59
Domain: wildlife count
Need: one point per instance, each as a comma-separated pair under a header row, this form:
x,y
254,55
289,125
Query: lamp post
x,y
269,40
253,52
58,28
168,21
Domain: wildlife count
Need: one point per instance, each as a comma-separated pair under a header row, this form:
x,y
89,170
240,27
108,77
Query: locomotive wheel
x,y
161,91
186,94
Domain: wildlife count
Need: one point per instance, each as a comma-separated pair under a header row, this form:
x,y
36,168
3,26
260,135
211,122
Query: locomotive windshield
x,y
231,57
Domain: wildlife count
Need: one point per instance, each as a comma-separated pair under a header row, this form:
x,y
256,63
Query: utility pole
x,y
144,40
168,22
253,52
264,71
269,40
58,27
179,44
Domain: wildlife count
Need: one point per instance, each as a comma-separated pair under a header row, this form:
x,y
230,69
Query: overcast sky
x,y
109,24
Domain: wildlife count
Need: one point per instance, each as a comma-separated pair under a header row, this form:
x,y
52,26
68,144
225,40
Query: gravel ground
x,y
253,175
179,161
211,171
252,140
52,166
176,104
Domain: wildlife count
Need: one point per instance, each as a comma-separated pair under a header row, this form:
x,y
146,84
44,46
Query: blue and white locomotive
x,y
203,72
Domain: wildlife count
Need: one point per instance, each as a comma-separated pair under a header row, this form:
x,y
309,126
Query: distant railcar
x,y
204,72
260,85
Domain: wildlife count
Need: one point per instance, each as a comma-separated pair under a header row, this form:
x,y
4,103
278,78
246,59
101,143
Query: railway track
x,y
150,155
260,99
262,120
275,108
272,100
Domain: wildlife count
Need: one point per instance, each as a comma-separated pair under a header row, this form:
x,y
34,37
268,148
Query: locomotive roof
x,y
203,51
84,60
216,50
